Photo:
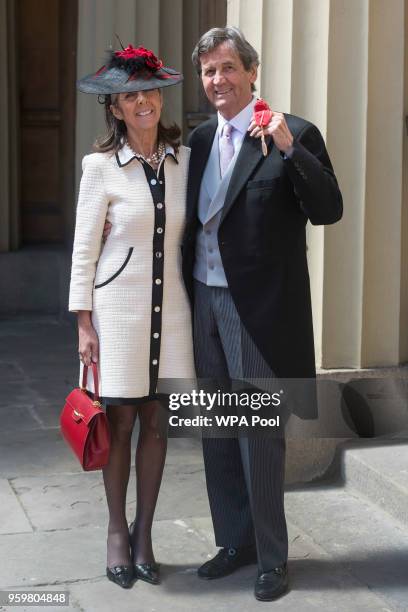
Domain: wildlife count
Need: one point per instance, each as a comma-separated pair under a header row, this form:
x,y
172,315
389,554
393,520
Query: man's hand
x,y
277,128
106,230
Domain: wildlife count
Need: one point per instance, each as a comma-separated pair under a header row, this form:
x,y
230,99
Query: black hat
x,y
132,69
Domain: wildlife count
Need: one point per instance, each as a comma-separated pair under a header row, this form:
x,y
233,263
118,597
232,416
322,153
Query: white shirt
x,y
240,123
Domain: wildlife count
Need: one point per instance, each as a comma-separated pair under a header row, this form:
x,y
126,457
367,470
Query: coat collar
x,y
125,155
241,121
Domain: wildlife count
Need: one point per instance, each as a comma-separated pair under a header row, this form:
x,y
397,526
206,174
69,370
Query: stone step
x,y
358,537
378,471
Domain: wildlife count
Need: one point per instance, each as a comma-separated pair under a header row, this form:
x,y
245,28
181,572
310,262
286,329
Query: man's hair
x,y
235,38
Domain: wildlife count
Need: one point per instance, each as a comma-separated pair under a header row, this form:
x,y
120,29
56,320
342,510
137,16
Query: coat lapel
x,y
248,158
199,156
218,198
212,176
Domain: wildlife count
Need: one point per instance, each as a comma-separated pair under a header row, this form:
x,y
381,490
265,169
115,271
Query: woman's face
x,y
140,110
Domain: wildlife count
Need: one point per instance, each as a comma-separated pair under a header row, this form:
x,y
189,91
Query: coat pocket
x,y
269,183
122,267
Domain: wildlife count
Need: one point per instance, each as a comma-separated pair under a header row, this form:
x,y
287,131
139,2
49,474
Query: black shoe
x,y
122,575
273,584
226,561
149,572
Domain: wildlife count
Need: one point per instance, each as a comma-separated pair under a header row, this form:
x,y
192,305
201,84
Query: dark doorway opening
x,y
46,50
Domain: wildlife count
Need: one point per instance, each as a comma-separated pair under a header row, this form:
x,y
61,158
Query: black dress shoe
x,y
273,584
226,561
123,575
149,572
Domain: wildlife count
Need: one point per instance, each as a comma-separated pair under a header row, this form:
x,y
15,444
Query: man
x,y
245,269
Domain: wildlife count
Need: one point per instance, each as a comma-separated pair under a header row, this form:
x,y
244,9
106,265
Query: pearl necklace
x,y
155,157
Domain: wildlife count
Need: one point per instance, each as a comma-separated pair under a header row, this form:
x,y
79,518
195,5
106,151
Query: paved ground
x,y
346,553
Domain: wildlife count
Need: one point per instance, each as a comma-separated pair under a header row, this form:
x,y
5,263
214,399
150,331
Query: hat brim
x,y
114,80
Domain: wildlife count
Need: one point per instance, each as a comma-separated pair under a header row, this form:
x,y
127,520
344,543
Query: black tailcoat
x,y
262,237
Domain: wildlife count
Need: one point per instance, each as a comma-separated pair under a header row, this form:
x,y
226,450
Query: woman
x,y
133,314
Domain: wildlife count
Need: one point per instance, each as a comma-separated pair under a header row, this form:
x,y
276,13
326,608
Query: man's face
x,y
226,82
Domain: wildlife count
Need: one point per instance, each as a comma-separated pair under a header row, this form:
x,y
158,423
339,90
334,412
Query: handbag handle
x,y
95,377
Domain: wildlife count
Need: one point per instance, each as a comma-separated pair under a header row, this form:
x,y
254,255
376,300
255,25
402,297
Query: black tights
x,y
150,458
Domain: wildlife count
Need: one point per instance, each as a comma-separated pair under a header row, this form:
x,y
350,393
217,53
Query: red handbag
x,y
84,425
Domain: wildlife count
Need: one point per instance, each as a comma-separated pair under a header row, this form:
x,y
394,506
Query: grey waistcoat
x,y
208,266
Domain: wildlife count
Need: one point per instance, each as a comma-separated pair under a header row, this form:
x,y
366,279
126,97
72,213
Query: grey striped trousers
x,y
245,476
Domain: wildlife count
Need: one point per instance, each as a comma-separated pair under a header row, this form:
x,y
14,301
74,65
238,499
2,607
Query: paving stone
x,y
10,372
18,417
79,498
48,413
79,553
380,473
40,451
358,536
12,516
46,558
315,585
345,554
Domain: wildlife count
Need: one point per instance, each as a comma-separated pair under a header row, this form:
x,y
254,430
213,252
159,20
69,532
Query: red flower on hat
x,y
149,57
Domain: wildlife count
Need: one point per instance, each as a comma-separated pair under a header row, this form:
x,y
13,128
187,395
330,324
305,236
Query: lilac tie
x,y
226,148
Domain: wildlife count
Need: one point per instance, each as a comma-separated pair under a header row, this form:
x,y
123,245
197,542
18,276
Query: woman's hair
x,y
115,136
234,37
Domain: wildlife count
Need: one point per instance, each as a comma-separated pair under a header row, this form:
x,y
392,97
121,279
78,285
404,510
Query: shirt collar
x,y
125,155
241,121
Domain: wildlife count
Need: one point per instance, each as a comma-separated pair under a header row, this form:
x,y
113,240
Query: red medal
x,y
262,117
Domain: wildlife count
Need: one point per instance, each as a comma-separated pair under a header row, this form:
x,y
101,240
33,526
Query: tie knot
x,y
227,130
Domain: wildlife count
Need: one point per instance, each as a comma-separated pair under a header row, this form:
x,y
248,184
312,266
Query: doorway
x,y
46,51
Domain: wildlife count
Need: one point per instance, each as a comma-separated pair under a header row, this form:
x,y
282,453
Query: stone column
x,y
403,339
343,258
340,64
383,195
155,24
98,23
191,33
171,51
308,98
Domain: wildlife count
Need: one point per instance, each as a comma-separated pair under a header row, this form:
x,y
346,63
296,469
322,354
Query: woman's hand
x,y
106,231
88,343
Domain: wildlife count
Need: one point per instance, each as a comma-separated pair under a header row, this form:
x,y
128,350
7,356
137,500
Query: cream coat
x,y
121,309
